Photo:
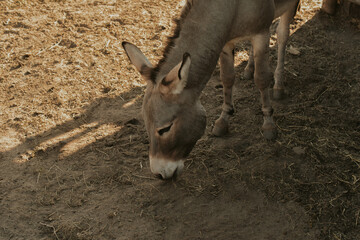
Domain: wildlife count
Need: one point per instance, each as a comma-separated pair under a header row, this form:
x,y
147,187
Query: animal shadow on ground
x,y
89,178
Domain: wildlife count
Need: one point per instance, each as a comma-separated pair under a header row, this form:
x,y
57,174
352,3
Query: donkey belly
x,y
281,6
252,17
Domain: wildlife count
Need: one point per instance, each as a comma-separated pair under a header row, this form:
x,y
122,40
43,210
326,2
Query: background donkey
x,y
286,10
207,29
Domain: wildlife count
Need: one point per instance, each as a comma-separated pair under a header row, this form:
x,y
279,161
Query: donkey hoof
x,y
278,93
248,74
270,134
220,128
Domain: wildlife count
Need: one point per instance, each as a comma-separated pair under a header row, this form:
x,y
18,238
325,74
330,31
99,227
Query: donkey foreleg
x,y
262,78
227,75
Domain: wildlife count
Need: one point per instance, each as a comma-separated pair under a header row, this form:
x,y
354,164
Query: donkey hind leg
x,y
282,37
227,75
262,78
249,69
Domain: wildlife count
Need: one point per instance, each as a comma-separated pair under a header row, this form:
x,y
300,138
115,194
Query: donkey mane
x,y
171,39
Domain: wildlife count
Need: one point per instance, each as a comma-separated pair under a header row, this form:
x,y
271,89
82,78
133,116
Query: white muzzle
x,y
166,168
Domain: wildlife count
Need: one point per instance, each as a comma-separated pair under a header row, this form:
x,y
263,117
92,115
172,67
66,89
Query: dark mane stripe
x,y
171,40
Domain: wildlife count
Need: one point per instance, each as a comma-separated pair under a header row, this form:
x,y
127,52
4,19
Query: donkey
x,y
207,29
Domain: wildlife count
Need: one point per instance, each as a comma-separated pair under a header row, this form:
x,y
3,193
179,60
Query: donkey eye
x,y
164,130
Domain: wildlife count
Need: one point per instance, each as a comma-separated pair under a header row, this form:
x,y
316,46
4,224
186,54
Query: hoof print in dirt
x,y
17,66
132,121
67,43
25,56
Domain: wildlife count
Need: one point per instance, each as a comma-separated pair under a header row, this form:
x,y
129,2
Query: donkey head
x,y
173,115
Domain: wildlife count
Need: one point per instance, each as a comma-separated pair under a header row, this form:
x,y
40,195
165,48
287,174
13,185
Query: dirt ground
x,y
73,149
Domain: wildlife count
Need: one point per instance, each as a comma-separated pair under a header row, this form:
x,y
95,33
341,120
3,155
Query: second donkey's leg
x,y
262,78
282,37
227,75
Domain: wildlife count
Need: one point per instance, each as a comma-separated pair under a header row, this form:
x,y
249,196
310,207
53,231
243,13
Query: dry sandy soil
x,y
73,150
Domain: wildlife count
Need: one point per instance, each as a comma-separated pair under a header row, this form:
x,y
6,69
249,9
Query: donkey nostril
x,y
167,177
159,176
166,170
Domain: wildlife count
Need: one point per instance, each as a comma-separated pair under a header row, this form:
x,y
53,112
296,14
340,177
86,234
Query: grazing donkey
x,y
207,29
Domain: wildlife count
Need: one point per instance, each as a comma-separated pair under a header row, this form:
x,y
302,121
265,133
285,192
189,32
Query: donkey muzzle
x,y
166,168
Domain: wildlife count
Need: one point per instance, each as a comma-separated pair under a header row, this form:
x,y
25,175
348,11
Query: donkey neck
x,y
203,33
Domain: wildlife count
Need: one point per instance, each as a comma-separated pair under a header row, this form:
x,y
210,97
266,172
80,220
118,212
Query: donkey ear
x,y
176,80
137,58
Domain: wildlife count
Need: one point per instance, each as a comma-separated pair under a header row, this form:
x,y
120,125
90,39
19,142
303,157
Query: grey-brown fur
x,y
173,115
